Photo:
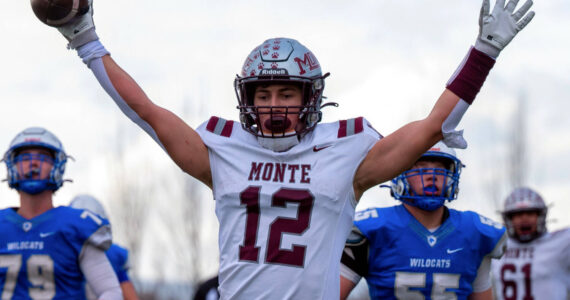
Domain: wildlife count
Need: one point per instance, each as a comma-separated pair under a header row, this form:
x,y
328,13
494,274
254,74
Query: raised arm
x,y
180,141
399,150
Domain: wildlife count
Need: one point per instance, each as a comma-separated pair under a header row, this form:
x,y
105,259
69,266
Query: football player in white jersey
x,y
48,252
536,264
286,185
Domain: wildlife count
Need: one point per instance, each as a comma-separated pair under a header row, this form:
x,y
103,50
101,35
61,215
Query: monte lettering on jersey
x,y
280,172
520,252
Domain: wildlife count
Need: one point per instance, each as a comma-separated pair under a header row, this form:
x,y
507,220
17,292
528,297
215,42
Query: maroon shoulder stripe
x,y
220,126
350,127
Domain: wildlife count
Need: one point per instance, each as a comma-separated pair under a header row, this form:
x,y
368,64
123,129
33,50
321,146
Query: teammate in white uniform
x,y
285,185
536,264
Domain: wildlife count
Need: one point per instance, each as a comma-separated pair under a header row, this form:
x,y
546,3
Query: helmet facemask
x,y
525,200
16,160
308,113
431,197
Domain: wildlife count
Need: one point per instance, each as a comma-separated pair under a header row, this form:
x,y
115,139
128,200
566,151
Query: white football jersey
x,y
536,270
284,216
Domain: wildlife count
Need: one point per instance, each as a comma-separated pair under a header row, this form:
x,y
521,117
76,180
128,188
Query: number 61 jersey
x,y
284,216
539,269
39,258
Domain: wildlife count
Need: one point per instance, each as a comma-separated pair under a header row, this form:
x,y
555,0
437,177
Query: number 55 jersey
x,y
284,216
401,259
536,270
39,258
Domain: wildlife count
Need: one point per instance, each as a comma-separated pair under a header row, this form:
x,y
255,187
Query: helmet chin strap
x,y
278,144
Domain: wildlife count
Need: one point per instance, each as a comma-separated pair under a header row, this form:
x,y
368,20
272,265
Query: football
x,y
57,13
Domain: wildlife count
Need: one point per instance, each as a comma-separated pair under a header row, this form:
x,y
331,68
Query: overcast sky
x,y
389,61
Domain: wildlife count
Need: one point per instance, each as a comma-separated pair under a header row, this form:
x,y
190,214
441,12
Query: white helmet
x,y
281,60
35,137
401,189
525,199
90,203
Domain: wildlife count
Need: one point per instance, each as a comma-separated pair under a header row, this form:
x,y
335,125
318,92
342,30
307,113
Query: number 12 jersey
x,y
284,216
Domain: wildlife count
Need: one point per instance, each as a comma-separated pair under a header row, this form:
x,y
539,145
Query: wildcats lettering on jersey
x,y
430,263
25,245
279,172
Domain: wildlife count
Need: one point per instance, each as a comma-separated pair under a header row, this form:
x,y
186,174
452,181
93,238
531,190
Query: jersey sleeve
x,y
86,228
119,258
216,131
493,235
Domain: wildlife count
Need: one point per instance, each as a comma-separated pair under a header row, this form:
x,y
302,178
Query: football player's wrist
x,y
470,75
487,48
83,38
91,50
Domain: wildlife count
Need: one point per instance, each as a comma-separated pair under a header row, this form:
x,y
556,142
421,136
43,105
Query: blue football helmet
x,y
401,189
35,137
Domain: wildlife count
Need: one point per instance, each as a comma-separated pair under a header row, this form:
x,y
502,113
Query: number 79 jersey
x,y
536,270
284,216
39,258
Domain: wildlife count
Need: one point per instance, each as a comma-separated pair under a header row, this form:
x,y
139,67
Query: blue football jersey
x,y
39,258
119,258
407,261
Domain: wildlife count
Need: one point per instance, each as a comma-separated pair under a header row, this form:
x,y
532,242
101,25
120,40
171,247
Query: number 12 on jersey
x,y
250,199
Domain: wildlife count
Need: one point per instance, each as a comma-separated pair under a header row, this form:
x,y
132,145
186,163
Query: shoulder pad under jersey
x,y
355,238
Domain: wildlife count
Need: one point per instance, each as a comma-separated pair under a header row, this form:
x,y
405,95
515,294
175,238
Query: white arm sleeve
x,y
99,273
349,274
483,280
451,137
91,54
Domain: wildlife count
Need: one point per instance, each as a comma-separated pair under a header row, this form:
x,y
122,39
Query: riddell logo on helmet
x,y
273,72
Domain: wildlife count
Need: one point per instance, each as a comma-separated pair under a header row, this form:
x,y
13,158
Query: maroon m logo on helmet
x,y
309,61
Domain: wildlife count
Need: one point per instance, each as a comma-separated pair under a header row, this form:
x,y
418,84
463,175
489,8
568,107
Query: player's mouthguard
x,y
277,124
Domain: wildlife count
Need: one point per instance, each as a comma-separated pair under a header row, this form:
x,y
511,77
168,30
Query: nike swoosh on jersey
x,y
317,149
45,234
449,251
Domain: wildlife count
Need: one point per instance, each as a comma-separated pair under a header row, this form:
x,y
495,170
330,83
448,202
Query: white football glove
x,y
81,30
500,27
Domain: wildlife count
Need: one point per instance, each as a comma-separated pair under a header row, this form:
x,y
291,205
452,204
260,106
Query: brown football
x,y
57,13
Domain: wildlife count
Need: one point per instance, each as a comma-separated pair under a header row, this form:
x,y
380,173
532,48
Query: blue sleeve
x,y
493,235
119,258
84,227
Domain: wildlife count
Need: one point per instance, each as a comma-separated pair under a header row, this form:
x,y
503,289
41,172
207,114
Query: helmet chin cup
x,y
426,203
33,187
